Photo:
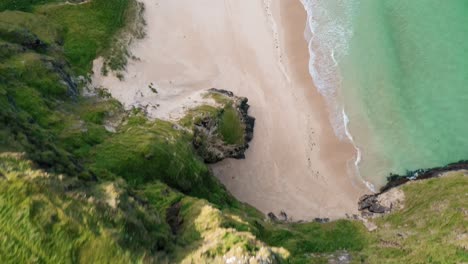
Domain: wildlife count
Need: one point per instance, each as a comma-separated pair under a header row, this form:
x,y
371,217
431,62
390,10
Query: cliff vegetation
x,y
82,180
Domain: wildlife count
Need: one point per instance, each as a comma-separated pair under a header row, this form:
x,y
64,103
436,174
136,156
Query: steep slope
x,y
432,226
84,181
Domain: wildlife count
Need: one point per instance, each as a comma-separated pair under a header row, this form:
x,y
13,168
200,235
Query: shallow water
x,y
399,69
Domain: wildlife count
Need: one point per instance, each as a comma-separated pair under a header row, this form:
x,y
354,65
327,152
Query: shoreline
x,y
349,152
256,49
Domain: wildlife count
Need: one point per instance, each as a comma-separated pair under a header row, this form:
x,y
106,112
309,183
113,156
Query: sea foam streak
x,y
368,184
328,32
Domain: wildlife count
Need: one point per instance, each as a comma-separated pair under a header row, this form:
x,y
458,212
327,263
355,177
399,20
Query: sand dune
x,y
256,49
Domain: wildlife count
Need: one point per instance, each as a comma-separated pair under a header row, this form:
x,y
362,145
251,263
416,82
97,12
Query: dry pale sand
x,y
256,49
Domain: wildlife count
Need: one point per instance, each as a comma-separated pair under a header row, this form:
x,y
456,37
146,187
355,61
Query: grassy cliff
x,y
84,181
432,226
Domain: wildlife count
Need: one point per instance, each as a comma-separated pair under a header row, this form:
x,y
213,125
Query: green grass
x,y
31,116
35,71
304,240
40,223
160,196
432,227
144,151
204,237
81,232
116,58
38,115
130,151
23,5
16,26
196,114
47,218
219,98
231,127
96,111
89,28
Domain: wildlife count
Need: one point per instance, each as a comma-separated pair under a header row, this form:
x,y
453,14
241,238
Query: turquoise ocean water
x,y
396,72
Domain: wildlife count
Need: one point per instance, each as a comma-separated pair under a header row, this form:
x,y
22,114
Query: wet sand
x,y
256,49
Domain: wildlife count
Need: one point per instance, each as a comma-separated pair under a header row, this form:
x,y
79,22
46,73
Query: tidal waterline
x,y
401,76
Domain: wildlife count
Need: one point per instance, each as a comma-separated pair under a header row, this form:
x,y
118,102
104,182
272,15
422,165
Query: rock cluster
x,y
209,145
391,197
423,174
242,106
381,203
370,203
283,217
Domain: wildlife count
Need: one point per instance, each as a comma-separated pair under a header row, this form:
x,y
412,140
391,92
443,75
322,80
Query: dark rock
x,y
173,217
322,220
378,209
283,216
221,91
249,121
370,203
395,180
367,214
31,41
23,37
366,201
272,217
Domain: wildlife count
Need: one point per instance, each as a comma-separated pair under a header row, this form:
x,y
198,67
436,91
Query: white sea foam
x,y
358,159
328,32
348,134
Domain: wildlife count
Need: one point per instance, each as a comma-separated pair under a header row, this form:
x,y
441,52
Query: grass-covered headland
x,y
84,181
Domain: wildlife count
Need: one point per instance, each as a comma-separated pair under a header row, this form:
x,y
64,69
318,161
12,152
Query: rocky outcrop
x,y
207,141
381,203
321,220
369,202
422,174
391,197
283,217
173,217
210,146
242,106
62,70
23,37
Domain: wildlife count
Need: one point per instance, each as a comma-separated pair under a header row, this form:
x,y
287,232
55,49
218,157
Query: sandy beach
x,y
255,48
